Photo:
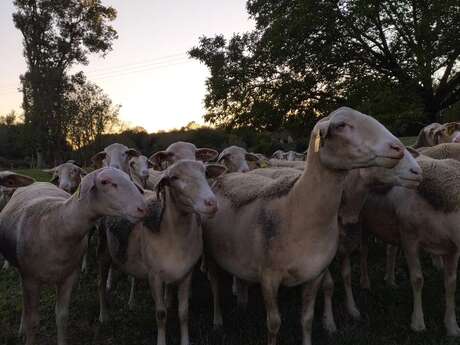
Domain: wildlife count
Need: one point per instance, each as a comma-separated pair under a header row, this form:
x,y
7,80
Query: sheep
x,y
235,159
280,163
442,151
278,154
427,219
9,182
426,136
67,176
181,150
287,233
43,232
116,156
358,184
139,169
294,156
168,243
448,133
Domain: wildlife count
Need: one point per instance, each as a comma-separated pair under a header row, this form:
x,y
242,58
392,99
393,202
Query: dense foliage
x,y
56,36
398,59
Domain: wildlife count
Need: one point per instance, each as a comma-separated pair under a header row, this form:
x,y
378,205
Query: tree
x,y
90,113
307,56
57,35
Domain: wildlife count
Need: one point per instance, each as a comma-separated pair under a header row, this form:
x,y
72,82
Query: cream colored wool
x,y
243,188
441,183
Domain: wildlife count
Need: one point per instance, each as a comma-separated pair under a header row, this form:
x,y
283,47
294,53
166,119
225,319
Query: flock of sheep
x,y
271,222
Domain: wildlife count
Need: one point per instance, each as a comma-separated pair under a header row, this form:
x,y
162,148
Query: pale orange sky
x,y
148,71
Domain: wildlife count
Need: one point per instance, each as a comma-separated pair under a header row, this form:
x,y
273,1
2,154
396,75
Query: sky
x,y
148,71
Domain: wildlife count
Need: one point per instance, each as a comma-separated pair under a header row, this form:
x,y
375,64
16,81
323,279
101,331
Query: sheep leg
x,y
213,276
103,260
240,290
64,292
328,313
392,253
349,298
309,292
109,279
416,277
30,315
6,265
450,284
157,288
132,301
437,261
84,263
364,274
270,288
183,293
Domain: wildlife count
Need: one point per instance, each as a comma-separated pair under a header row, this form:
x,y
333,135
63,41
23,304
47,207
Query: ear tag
x,y
263,164
78,192
317,141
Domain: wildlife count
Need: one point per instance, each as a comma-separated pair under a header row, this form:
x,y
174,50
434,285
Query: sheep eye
x,y
341,125
114,185
174,178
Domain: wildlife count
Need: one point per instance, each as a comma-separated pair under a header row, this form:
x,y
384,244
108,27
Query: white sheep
x,y
286,233
43,233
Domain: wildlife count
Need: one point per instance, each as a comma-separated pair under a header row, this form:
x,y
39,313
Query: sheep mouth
x,y
410,183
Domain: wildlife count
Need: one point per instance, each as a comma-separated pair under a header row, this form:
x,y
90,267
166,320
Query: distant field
x,y
37,174
408,140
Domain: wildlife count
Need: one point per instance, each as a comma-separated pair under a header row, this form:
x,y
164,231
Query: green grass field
x,y
385,313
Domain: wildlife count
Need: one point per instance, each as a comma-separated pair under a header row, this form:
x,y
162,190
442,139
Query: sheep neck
x,y
78,216
178,221
315,198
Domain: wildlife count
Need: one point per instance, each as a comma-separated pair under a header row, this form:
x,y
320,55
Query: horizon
x,y
157,85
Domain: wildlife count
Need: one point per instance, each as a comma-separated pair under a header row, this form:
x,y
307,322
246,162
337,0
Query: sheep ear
x,y
251,157
164,181
413,152
150,164
222,156
205,154
215,170
73,162
133,153
87,184
53,171
141,190
451,127
160,157
13,180
98,158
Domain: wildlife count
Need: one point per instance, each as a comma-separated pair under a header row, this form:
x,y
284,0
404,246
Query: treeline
x,y
15,152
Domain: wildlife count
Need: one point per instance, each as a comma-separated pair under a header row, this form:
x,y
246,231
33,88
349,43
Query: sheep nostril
x,y
141,210
415,172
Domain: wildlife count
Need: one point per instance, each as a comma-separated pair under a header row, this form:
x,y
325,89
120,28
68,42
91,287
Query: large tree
x,y
307,56
57,35
90,113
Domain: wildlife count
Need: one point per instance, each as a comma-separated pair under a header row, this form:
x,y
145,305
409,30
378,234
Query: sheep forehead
x,y
187,168
115,148
114,174
182,150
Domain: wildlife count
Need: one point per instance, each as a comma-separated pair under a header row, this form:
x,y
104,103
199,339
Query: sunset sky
x,y
148,71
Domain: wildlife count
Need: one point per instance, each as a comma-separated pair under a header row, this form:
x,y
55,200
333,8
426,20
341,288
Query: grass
x,y
385,313
37,174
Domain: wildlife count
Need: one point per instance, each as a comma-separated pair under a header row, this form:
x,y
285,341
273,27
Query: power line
x,y
122,70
